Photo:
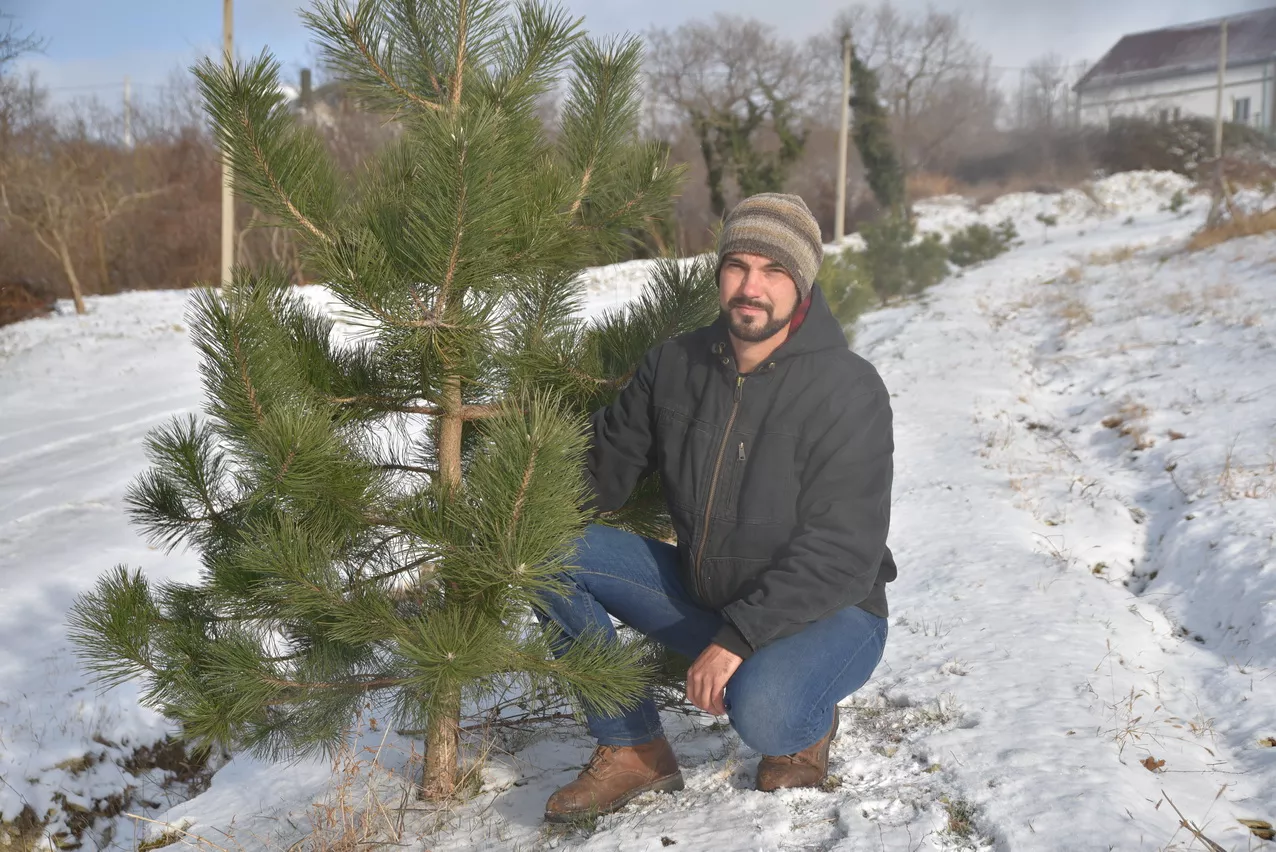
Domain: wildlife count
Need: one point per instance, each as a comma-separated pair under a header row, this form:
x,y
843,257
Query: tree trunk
x,y
69,268
104,273
442,737
442,747
450,433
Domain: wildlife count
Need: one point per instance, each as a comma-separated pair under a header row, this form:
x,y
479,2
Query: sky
x,y
93,45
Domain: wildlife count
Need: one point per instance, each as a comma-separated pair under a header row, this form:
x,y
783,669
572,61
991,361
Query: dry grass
x,y
1112,256
354,814
1242,225
1221,302
932,184
1182,301
1220,291
1130,422
1074,312
986,192
1236,481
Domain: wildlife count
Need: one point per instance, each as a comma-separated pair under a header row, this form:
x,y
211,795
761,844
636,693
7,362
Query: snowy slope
x,y
1083,518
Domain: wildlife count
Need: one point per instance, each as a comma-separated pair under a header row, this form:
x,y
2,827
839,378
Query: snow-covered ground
x,y
1083,635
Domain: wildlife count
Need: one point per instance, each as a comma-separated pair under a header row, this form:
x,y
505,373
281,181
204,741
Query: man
x,y
774,443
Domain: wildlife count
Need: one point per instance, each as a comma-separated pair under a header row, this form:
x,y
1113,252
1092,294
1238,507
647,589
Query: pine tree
x,y
376,519
872,133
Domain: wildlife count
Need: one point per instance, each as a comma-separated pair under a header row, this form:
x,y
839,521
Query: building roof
x,y
1184,49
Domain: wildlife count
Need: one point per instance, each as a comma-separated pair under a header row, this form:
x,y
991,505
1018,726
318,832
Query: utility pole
x,y
228,173
839,217
1218,104
1023,73
128,114
1220,188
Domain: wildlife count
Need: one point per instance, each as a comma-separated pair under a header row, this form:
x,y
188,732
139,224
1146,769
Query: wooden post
x,y
128,113
228,172
839,217
1218,104
1220,189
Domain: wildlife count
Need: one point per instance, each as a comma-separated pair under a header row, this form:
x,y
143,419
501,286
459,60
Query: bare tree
x,y
935,82
14,43
65,192
1046,98
745,94
20,98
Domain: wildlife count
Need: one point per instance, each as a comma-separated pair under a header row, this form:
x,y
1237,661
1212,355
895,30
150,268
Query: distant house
x,y
1173,72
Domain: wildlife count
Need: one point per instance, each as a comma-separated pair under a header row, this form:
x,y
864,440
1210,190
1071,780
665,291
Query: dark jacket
x,y
778,482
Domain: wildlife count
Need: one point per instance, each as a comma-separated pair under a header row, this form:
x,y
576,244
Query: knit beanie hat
x,y
779,227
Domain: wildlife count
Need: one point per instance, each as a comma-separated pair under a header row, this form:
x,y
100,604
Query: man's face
x,y
756,295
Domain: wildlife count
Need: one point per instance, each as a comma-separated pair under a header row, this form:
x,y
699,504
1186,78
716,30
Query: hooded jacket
x,y
778,482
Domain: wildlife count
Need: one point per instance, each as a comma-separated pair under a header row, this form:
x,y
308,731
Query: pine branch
x,y
407,468
522,493
584,185
461,31
264,169
278,163
236,348
336,686
467,412
354,32
440,303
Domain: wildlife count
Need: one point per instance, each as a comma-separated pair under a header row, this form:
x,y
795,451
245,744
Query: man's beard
x,y
749,329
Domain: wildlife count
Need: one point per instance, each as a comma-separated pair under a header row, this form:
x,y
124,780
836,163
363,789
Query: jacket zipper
x,y
713,483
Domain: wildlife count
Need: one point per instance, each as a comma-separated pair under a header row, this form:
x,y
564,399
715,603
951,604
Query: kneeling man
x,y
773,441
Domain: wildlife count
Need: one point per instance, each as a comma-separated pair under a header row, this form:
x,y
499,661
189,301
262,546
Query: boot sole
x,y
669,784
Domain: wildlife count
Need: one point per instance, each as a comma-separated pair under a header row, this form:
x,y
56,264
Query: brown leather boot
x,y
614,776
808,768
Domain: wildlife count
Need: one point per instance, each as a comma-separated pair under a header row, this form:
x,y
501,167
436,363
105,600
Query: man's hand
x,y
707,678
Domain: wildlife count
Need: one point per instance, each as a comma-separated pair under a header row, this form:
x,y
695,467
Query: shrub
x,y
978,242
847,285
1181,146
897,264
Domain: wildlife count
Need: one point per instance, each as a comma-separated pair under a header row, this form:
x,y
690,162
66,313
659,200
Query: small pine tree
x,y
872,132
379,518
897,263
978,242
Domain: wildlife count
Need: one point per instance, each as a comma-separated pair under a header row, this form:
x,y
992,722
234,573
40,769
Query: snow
x,y
1083,519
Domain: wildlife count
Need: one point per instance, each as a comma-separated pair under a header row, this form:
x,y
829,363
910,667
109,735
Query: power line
x,y
80,87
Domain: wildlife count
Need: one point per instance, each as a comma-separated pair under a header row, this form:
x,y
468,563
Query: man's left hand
x,y
707,678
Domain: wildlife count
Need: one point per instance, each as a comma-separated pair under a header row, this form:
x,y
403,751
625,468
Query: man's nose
x,y
751,285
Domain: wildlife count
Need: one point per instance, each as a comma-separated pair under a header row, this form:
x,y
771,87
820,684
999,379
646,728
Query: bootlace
x,y
599,756
785,758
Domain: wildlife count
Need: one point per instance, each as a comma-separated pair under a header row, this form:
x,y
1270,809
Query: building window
x,y
1240,110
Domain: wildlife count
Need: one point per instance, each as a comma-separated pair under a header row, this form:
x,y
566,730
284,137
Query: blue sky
x,y
94,44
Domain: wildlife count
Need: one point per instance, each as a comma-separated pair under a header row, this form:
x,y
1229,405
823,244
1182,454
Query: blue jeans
x,y
779,701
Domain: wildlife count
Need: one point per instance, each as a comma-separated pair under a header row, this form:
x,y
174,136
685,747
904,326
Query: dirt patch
x,y
69,825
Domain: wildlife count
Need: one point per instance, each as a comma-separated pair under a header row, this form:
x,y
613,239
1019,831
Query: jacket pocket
x,y
761,484
682,446
727,578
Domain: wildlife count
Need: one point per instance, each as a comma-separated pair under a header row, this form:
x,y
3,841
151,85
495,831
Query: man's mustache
x,y
742,302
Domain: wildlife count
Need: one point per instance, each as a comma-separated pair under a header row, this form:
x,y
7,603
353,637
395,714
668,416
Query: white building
x,y
1173,72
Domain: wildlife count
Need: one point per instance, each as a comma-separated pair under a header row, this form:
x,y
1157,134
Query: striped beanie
x,y
779,227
